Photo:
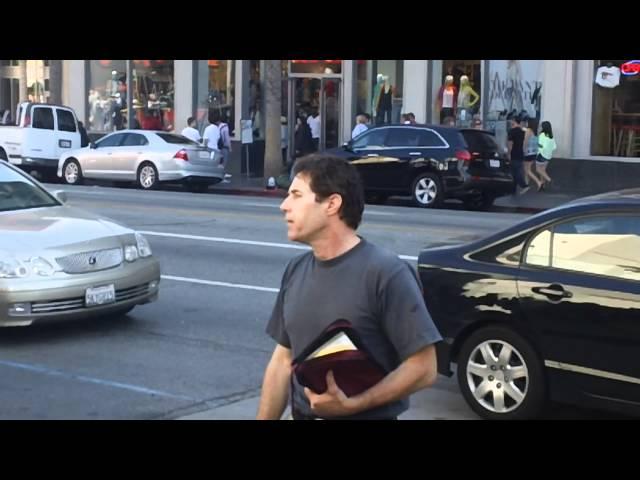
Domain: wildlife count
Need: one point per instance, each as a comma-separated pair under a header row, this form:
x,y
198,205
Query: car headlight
x,y
42,267
11,267
144,249
130,253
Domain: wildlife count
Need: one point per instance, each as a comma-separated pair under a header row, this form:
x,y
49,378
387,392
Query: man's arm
x,y
275,386
417,372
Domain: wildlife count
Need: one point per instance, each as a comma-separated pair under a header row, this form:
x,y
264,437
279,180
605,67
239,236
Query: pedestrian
x,y
404,119
531,151
314,123
344,276
211,136
412,118
190,131
361,126
303,141
515,142
84,138
224,144
547,145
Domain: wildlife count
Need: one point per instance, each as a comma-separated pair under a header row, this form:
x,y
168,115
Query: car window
x,y
42,118
66,122
429,138
110,140
403,137
478,141
371,139
608,246
176,139
134,140
17,192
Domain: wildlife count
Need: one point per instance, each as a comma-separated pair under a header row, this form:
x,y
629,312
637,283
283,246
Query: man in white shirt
x,y
210,139
190,130
361,126
314,124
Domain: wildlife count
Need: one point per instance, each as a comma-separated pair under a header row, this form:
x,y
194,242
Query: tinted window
x,y
403,137
17,192
429,138
66,122
135,140
110,140
42,118
176,139
480,141
608,246
373,138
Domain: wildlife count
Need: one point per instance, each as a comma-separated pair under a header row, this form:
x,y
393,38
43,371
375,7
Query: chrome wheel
x,y
497,376
147,176
426,191
71,173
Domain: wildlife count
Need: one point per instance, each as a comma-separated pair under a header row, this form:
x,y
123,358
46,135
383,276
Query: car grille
x,y
95,261
69,304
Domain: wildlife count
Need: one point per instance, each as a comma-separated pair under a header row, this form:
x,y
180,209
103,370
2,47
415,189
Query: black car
x,y
431,163
547,309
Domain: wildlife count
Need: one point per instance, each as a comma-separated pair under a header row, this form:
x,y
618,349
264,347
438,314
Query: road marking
x,y
242,242
97,381
220,284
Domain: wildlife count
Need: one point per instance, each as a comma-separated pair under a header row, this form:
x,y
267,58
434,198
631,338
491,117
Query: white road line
x,y
220,284
241,242
98,381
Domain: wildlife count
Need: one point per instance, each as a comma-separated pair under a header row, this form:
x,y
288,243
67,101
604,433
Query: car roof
x,y
629,196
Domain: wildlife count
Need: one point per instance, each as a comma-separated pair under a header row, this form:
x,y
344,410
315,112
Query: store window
x,y
515,88
616,109
319,67
379,89
215,92
153,94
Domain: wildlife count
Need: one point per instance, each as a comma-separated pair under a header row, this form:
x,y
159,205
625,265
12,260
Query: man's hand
x,y
333,402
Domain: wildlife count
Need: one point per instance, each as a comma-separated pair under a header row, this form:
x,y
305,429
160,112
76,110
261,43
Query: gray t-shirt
x,y
372,288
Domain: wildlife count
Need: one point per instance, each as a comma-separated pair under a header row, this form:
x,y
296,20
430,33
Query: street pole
x,y
130,113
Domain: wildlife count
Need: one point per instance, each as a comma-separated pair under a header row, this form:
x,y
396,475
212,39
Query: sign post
x,y
246,128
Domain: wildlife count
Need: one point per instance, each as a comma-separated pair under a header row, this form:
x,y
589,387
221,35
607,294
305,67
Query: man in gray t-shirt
x,y
344,277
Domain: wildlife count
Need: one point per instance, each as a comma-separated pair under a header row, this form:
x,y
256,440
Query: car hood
x,y
58,230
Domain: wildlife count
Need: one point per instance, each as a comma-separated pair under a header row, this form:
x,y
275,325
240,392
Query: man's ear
x,y
334,203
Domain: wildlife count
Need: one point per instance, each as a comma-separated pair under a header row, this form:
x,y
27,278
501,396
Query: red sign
x,y
630,68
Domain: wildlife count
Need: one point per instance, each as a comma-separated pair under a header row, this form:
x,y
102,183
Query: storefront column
x,y
558,87
436,83
583,108
415,88
74,88
183,97
348,99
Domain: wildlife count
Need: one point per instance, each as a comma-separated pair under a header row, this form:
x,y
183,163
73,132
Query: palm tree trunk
x,y
273,112
55,81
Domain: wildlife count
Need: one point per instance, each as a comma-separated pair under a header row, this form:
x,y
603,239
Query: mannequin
x,y
467,98
447,98
383,112
376,95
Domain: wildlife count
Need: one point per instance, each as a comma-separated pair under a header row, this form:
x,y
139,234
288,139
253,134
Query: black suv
x,y
430,163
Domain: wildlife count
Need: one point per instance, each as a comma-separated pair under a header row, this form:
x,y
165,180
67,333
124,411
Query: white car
x,y
145,157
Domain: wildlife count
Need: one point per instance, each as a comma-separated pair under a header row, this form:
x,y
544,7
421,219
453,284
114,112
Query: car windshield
x,y
17,192
176,139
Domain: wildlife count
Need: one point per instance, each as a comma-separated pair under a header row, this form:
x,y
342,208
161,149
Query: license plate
x,y
204,155
494,163
100,295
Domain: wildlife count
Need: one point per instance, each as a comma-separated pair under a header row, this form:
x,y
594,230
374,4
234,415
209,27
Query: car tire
x,y
426,191
147,176
483,201
72,172
483,382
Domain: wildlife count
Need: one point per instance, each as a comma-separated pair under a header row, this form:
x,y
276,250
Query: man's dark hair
x,y
329,174
190,120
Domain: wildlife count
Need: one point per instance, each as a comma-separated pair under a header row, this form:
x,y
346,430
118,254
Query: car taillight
x,y
464,156
182,155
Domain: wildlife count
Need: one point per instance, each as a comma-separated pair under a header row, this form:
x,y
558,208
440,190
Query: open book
x,y
339,349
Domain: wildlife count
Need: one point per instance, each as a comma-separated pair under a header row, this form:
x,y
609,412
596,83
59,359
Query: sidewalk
x,y
530,202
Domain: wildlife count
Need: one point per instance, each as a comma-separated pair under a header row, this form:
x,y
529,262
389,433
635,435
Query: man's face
x,y
306,218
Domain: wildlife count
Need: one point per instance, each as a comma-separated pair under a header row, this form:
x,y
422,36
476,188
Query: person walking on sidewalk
x,y
547,145
361,126
531,151
515,141
224,144
190,131
344,276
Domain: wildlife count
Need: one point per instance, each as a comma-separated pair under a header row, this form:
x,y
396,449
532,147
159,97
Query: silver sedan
x,y
146,157
59,262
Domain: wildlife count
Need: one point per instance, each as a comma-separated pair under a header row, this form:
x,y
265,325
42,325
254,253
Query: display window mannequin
x,y
447,99
467,98
383,108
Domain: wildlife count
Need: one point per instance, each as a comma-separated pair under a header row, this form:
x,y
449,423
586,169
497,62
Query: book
x,y
339,349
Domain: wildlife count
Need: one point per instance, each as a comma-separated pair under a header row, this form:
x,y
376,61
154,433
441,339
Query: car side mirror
x,y
92,145
61,195
347,146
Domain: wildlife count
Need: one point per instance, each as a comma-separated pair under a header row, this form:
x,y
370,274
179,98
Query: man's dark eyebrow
x,y
295,190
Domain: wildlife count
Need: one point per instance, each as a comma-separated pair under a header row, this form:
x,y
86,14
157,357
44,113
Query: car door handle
x,y
372,155
553,290
415,153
